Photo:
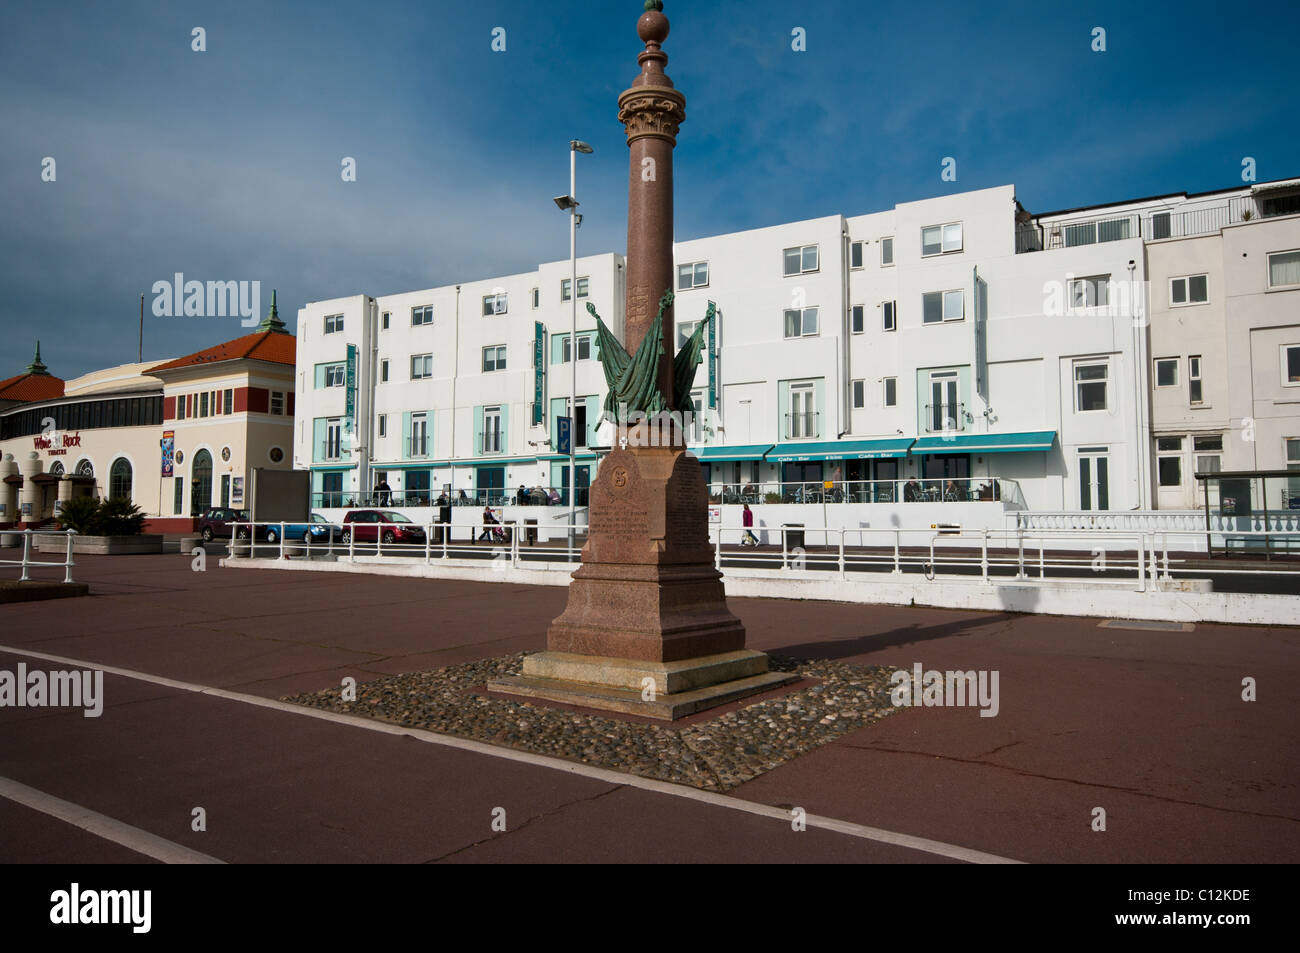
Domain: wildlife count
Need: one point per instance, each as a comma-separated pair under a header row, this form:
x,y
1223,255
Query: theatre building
x,y
174,437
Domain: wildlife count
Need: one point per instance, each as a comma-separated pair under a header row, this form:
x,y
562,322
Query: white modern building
x,y
955,349
453,388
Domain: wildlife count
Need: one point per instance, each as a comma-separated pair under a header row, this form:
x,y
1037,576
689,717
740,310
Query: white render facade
x,y
444,390
956,339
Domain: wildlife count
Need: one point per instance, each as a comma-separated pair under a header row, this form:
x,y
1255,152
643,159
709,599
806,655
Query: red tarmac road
x,y
1148,725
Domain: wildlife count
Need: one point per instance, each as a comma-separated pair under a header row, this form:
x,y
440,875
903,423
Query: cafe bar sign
x,y
55,444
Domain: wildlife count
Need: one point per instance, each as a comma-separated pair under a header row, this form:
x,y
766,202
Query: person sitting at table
x,y
912,491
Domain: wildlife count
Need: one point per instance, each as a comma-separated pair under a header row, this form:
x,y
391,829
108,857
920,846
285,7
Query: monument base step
x,y
667,678
630,702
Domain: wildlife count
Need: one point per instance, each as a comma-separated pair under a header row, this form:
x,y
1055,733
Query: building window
x,y
1090,386
1089,233
228,402
333,438
565,284
944,412
180,407
1090,292
940,239
203,404
491,429
383,425
857,319
383,370
889,315
802,419
939,306
1194,394
694,275
859,394
1169,461
178,496
684,331
421,366
119,480
1167,372
333,323
1284,269
855,254
1290,364
1192,289
419,435
536,297
495,304
801,260
891,391
800,323
422,315
333,375
886,251
1293,453
384,319
277,402
494,358
1209,453
584,348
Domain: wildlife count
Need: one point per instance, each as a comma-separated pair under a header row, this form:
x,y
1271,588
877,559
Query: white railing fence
x,y
27,563
1144,560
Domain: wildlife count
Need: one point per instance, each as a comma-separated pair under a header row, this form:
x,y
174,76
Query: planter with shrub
x,y
105,527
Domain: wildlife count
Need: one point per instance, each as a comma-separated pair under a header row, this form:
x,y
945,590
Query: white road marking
x,y
862,831
101,825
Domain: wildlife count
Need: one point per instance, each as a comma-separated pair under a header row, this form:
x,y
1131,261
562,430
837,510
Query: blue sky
x,y
225,164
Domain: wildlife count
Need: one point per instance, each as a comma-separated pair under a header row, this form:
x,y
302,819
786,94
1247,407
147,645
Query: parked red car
x,y
367,525
216,523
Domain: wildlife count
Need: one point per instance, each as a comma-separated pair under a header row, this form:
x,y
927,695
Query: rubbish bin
x,y
793,535
444,517
530,532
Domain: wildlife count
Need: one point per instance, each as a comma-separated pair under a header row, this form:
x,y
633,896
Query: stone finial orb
x,y
653,25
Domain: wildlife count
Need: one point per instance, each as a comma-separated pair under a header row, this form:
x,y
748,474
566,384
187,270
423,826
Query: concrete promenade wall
x,y
1051,597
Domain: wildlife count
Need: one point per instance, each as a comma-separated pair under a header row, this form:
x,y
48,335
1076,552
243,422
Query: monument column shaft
x,y
650,247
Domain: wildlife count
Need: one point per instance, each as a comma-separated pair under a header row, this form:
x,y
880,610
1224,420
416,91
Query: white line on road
x,y
101,825
583,770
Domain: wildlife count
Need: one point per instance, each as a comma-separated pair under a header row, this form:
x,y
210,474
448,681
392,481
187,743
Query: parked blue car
x,y
316,531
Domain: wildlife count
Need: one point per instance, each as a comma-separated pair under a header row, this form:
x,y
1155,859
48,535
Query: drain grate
x,y
1143,625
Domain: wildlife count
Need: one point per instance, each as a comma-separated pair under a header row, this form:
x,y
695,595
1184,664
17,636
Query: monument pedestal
x,y
646,630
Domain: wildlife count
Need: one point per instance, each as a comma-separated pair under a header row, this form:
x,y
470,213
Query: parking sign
x,y
563,434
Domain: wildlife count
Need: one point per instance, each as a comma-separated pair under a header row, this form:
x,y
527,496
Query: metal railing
x,y
27,563
935,490
1151,225
1140,561
942,418
799,426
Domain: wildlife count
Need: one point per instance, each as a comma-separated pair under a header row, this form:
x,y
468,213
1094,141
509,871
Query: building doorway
x,y
201,479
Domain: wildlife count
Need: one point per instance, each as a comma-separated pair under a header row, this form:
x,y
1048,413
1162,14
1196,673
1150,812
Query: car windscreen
x,y
393,517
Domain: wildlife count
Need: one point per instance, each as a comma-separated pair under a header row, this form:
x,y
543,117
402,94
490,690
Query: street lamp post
x,y
569,203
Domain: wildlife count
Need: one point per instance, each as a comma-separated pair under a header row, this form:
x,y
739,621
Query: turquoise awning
x,y
1034,441
753,451
840,450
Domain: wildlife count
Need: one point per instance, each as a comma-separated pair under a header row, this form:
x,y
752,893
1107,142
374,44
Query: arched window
x,y
56,468
85,469
119,480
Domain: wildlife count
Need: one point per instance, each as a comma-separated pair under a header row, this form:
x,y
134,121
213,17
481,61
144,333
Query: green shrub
x,y
771,497
81,513
120,518
91,517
